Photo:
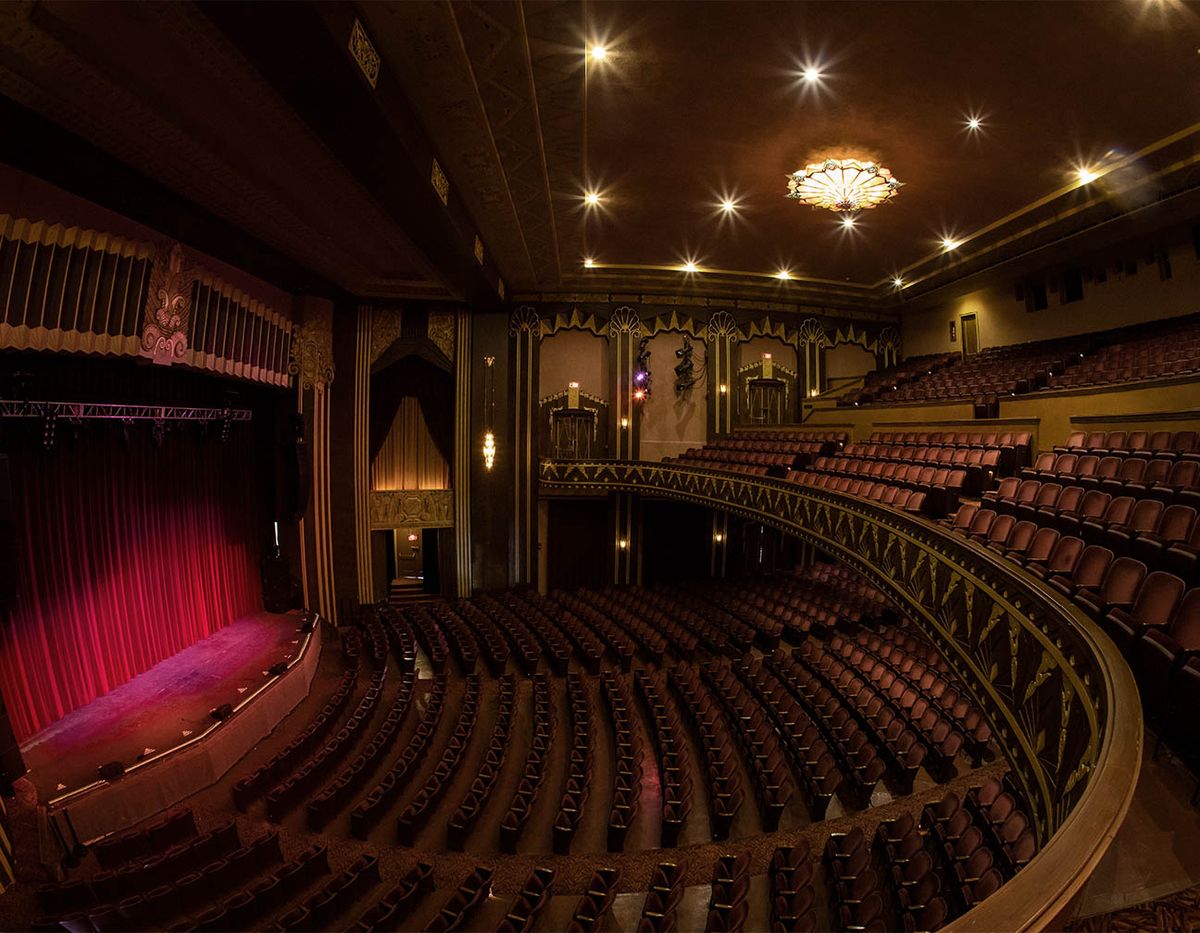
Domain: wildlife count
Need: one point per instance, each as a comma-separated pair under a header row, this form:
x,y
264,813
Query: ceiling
x,y
698,101
158,87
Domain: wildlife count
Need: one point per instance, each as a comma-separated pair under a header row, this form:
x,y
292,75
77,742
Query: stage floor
x,y
160,708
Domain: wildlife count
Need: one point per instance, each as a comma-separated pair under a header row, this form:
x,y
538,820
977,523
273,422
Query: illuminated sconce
x,y
489,396
718,537
766,356
625,422
622,543
639,395
573,395
412,536
722,388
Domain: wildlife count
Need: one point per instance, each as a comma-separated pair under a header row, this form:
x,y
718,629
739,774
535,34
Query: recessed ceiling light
x,y
898,282
597,53
1086,176
948,243
689,266
783,274
589,263
728,205
811,74
974,122
848,221
592,198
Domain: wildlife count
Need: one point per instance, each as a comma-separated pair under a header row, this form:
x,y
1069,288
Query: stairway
x,y
408,592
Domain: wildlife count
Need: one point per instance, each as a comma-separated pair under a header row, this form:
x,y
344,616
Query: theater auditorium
x,y
599,466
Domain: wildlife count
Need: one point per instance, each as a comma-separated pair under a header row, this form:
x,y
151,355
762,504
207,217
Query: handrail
x,y
1060,699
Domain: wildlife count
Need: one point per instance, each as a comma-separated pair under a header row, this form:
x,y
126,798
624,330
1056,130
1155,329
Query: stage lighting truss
x,y
102,411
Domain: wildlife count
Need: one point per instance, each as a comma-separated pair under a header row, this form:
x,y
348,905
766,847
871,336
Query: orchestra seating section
x,y
762,453
1143,351
600,721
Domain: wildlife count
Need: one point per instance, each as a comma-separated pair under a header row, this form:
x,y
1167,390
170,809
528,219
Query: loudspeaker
x,y
12,765
8,539
277,669
112,771
222,712
293,479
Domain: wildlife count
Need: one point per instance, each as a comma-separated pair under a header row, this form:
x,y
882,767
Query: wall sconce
x,y
766,356
624,422
718,537
722,388
489,410
622,543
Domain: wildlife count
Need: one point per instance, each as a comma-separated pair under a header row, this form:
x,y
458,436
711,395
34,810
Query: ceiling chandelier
x,y
843,185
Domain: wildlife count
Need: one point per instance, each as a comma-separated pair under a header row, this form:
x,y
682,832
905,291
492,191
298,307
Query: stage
x,y
159,728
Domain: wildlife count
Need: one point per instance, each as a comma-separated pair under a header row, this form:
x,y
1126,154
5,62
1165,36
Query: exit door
x,y
970,335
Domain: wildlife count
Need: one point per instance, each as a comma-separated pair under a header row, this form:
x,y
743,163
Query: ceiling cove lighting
x,y
843,185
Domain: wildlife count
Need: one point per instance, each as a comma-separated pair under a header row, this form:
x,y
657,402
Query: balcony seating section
x,y
398,903
1163,348
595,905
458,909
659,910
762,453
671,753
578,785
289,792
710,728
420,808
334,798
879,384
627,758
857,478
470,809
536,762
285,762
367,813
532,899
983,454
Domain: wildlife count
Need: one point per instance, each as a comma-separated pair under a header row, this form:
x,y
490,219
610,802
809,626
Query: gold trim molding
x,y
405,508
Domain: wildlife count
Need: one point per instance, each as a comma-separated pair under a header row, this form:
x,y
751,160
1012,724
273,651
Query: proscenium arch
x,y
1061,701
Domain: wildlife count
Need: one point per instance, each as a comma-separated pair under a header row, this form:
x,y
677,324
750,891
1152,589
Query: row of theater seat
x,y
470,808
762,453
878,384
579,767
368,811
1163,537
1009,450
536,763
887,492
671,753
1145,444
1172,348
1161,478
420,808
627,759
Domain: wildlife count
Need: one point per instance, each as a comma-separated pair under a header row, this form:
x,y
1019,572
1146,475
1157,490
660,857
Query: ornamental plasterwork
x,y
441,331
525,320
441,184
1022,654
723,326
312,347
168,310
576,320
425,508
625,322
363,52
385,330
811,331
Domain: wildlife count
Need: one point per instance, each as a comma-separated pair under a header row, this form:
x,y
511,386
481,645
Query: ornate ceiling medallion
x,y
843,185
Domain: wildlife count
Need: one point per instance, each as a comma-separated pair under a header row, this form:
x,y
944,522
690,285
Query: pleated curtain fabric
x,y
129,552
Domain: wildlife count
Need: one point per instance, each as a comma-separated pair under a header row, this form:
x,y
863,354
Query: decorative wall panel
x,y
414,508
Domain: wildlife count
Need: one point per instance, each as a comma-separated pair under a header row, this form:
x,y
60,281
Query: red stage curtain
x,y
130,552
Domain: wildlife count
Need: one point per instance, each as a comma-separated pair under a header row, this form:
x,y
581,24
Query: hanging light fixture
x,y
489,436
843,185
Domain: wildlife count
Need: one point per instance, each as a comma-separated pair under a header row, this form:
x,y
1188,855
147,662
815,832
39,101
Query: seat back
x,y
1093,503
1021,535
1119,510
1122,581
1043,544
1065,555
1092,565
